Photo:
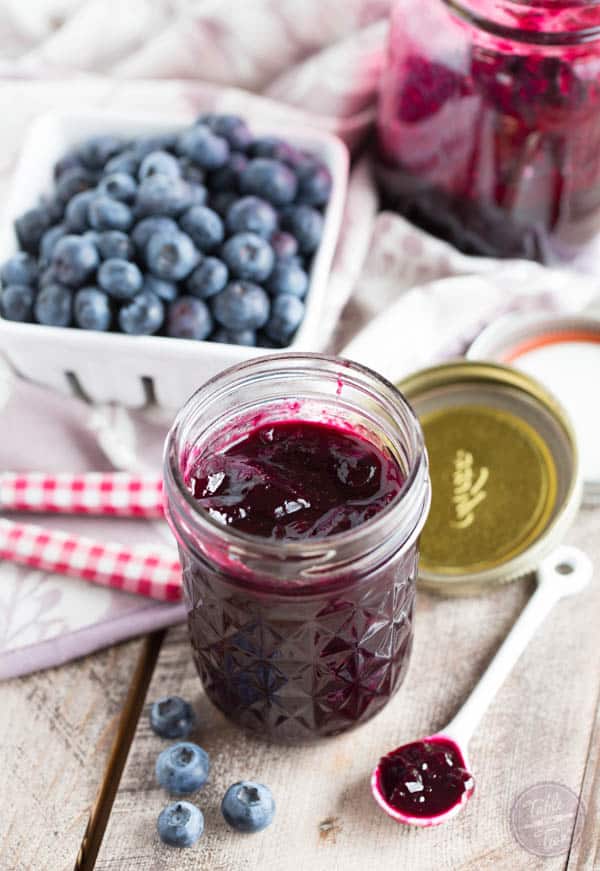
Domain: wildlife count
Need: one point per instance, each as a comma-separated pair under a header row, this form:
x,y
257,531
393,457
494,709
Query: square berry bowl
x,y
135,369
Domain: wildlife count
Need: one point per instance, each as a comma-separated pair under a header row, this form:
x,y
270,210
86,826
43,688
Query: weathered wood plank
x,y
538,730
56,733
585,852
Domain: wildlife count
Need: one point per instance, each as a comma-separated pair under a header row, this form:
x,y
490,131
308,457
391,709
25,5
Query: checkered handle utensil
x,y
116,494
110,564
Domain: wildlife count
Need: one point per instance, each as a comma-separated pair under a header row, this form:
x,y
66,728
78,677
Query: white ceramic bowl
x,y
113,367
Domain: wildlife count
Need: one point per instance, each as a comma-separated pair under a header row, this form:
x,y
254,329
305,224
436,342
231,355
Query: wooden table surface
x,y
77,788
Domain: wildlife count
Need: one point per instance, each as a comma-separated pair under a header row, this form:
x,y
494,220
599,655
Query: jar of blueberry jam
x,y
297,486
489,123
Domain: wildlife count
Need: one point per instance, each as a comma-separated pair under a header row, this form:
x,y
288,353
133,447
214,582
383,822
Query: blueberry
x,y
49,240
76,213
166,290
287,312
144,145
96,150
120,278
251,214
248,806
127,161
91,309
163,195
233,337
172,717
306,224
74,259
55,208
70,160
114,243
159,162
274,147
189,318
119,186
231,127
54,306
288,277
198,194
270,179
143,316
284,245
227,177
47,276
207,279
201,145
203,226
16,302
248,256
241,306
190,171
180,824
74,181
314,182
93,236
182,768
104,213
222,201
21,268
148,226
171,255
30,227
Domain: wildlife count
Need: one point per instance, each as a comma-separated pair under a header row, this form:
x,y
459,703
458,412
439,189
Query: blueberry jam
x,y
297,486
425,778
292,480
489,124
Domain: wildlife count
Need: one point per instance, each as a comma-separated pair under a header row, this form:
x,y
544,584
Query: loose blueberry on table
x,y
206,234
248,806
180,824
172,717
182,768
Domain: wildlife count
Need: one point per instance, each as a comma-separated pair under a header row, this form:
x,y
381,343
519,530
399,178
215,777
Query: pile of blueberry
x,y
183,768
204,234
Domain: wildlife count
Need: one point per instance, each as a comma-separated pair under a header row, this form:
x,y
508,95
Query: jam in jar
x,y
489,123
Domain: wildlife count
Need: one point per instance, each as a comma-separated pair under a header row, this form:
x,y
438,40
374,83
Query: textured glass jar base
x,y
295,668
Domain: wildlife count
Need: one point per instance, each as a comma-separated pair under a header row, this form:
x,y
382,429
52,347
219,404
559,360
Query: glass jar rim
x,y
304,550
473,12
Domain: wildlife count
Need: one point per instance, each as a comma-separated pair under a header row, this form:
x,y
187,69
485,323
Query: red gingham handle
x,y
109,564
117,494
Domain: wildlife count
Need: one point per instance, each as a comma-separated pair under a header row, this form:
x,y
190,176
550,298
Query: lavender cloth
x,y
47,619
306,63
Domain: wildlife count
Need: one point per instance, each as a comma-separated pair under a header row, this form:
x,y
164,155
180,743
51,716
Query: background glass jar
x,y
489,123
298,639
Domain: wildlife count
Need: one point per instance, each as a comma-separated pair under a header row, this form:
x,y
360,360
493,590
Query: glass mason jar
x,y
298,639
489,123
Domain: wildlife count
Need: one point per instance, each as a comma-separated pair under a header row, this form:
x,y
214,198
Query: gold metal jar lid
x,y
504,473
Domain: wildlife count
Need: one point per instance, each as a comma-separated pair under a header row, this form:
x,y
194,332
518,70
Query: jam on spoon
x,y
425,778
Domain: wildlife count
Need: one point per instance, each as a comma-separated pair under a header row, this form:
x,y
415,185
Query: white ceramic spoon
x,y
565,572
